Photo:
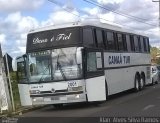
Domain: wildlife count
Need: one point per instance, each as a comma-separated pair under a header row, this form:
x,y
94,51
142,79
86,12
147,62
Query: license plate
x,y
72,84
63,98
55,98
47,99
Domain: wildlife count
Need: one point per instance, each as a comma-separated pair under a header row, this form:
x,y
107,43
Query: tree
x,y
154,52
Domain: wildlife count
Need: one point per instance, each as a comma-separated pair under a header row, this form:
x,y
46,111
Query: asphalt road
x,y
145,103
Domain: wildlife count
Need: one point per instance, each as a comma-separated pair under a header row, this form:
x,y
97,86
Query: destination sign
x,y
41,53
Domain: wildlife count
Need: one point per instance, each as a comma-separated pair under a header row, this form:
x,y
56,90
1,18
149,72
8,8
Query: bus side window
x,y
110,41
91,62
142,45
124,42
148,45
99,38
128,43
136,43
132,43
120,42
20,69
21,74
139,44
88,37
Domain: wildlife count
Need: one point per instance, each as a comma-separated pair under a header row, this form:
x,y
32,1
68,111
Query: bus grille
x,y
56,91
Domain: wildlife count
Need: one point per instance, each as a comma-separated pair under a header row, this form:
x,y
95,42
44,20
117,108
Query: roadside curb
x,y
25,110
22,111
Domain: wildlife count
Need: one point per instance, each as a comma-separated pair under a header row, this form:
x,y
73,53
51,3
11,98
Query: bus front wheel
x,y
58,105
106,90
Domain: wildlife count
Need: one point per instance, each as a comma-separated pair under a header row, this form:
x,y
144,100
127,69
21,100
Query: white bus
x,y
81,62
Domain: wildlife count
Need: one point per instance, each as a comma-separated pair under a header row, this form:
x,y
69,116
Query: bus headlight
x,y
34,92
77,96
79,88
34,99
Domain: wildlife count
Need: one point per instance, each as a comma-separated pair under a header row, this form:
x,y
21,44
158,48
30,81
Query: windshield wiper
x,y
60,68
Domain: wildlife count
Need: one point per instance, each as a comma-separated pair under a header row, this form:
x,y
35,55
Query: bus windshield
x,y
39,66
54,65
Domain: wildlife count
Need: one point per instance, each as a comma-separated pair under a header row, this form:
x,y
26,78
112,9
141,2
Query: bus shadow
x,y
128,93
121,94
85,105
73,106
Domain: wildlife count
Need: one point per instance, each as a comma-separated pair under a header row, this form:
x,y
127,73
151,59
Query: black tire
x,y
152,82
58,105
137,84
98,103
142,82
106,90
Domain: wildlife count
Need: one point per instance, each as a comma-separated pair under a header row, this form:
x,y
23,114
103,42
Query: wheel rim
x,y
137,85
142,83
152,81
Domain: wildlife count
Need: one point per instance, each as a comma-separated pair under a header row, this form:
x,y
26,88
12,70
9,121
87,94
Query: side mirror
x,y
153,70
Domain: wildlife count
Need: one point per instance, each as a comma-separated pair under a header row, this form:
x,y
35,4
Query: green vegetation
x,y
155,53
15,90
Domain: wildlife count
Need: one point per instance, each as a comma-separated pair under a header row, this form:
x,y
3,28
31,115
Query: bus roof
x,y
114,27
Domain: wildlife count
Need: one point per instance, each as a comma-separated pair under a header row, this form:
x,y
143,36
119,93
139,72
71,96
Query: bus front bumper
x,y
58,99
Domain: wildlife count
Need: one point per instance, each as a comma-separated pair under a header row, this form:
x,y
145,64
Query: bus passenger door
x,y
21,69
95,79
23,85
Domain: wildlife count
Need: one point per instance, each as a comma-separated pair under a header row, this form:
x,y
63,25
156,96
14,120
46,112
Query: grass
x,y
15,90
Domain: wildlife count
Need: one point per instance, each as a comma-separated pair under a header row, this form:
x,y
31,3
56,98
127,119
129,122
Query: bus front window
x,y
55,65
39,66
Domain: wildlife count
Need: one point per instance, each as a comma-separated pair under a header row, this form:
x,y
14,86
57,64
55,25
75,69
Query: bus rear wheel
x,y
137,84
152,82
142,83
